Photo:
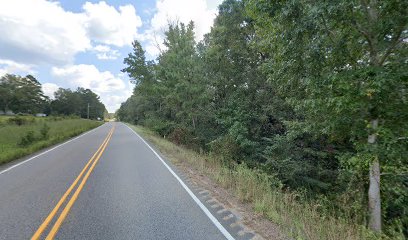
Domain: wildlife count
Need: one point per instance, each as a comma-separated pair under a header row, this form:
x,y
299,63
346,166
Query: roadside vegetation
x,y
24,95
312,94
23,135
22,98
297,216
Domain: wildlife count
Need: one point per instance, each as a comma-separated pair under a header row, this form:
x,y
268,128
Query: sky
x,y
72,43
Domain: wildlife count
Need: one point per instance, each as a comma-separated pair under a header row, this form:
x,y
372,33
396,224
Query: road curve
x,y
129,193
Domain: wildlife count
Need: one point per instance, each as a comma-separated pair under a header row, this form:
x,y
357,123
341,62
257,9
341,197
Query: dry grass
x,y
298,219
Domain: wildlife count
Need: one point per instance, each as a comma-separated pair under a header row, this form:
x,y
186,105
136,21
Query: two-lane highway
x,y
105,184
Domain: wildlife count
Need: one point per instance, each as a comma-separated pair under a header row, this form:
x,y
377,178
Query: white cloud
x,y
201,12
184,11
37,32
40,31
104,52
107,25
49,89
112,89
8,66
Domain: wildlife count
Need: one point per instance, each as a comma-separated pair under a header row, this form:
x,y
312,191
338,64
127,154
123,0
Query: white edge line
x,y
49,150
199,203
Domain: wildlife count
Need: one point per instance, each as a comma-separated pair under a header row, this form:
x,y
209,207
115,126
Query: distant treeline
x,y
314,93
24,95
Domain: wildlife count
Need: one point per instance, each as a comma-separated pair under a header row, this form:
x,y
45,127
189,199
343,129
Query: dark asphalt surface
x,y
129,195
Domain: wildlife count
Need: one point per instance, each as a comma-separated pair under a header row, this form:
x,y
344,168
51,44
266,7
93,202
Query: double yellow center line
x,y
92,162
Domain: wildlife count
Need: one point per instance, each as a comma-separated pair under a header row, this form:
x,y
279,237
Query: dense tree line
x,y
68,102
314,93
21,94
24,95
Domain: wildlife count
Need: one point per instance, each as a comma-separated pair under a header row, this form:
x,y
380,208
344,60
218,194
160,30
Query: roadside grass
x,y
37,133
298,219
3,119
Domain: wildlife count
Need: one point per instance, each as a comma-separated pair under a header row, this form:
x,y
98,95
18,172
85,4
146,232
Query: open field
x,y
298,219
27,134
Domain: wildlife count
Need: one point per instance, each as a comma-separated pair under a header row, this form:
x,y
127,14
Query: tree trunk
x,y
194,125
374,196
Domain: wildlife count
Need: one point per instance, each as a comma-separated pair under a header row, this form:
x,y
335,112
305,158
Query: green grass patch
x,y
20,136
299,219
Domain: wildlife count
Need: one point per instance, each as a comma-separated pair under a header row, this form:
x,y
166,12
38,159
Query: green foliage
x,y
27,139
302,161
18,141
68,102
45,131
137,67
20,120
296,216
227,148
292,88
24,96
162,127
341,64
21,94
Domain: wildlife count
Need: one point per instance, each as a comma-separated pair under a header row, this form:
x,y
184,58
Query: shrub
x,y
21,120
163,128
27,139
44,131
182,136
225,147
17,120
55,118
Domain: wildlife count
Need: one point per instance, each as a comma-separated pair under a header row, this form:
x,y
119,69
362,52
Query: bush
x,y
44,131
17,120
225,147
162,127
27,139
54,118
182,136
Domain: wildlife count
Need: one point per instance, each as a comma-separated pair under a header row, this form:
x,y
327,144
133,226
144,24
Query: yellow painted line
x,y
44,225
74,197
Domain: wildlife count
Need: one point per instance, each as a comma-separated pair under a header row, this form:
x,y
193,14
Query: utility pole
x,y
88,111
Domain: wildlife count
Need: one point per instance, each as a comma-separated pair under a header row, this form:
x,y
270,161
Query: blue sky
x,y
71,43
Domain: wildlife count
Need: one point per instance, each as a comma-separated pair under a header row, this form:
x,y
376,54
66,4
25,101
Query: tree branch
x,y
395,174
394,42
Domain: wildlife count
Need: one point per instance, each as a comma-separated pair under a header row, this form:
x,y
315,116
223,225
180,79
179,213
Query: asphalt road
x,y
127,192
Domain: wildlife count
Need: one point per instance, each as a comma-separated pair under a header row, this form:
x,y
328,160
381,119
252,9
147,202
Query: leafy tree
x,y
137,67
30,96
21,94
145,93
312,92
24,95
181,80
241,95
68,102
342,64
8,87
96,108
